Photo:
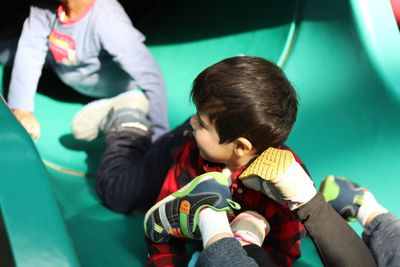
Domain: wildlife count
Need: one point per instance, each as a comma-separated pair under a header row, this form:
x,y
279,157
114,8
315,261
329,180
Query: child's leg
x,y
277,174
251,228
177,215
226,252
220,249
120,180
199,211
382,236
261,257
125,111
381,229
132,170
350,200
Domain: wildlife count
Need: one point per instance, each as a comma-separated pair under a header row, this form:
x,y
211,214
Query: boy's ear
x,y
243,147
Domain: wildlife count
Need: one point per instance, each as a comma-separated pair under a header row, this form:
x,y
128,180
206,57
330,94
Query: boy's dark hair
x,y
247,97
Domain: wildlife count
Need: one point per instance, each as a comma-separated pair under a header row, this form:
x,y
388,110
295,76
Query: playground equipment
x,y
341,56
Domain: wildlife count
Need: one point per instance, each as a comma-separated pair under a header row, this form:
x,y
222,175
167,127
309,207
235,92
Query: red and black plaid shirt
x,y
282,242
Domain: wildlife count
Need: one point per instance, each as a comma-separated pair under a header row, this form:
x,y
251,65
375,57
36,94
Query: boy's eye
x,y
201,124
197,122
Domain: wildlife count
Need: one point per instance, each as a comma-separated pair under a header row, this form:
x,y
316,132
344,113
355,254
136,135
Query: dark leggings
x,y
257,253
132,169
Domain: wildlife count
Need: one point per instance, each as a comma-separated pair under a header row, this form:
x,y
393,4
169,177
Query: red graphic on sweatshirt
x,y
63,48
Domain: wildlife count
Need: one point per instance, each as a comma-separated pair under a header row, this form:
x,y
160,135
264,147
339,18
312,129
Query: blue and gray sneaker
x,y
344,196
177,214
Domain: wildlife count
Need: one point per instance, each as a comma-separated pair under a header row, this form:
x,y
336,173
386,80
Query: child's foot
x,y
127,111
177,214
345,197
250,227
276,174
350,200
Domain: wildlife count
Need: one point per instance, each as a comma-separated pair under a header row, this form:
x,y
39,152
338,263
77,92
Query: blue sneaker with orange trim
x,y
177,214
345,197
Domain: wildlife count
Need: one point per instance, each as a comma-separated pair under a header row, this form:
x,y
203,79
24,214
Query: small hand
x,y
28,121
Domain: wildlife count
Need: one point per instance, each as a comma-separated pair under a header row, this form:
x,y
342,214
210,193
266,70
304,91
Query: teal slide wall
x,y
341,57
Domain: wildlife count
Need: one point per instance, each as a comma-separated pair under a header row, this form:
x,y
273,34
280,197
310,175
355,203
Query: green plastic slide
x,y
341,56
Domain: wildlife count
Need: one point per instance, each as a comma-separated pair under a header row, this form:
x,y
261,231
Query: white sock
x,y
296,186
250,227
369,207
213,222
248,237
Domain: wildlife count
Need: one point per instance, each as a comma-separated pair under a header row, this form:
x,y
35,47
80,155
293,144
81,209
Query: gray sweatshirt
x,y
100,54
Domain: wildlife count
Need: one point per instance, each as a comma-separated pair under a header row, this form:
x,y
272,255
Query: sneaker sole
x,y
85,124
270,165
184,191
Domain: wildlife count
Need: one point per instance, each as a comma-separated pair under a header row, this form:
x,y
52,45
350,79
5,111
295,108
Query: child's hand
x,y
29,121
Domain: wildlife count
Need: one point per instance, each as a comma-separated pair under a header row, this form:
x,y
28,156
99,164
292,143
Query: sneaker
x,y
177,214
344,196
250,227
128,109
277,175
125,119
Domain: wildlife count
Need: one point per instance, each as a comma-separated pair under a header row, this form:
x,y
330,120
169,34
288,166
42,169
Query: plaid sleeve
x,y
166,254
283,240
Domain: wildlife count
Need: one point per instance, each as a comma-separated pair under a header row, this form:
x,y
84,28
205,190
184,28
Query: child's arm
x,y
126,45
27,68
167,254
28,121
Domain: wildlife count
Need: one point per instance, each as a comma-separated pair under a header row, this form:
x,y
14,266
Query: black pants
x,y
337,243
335,240
132,169
258,254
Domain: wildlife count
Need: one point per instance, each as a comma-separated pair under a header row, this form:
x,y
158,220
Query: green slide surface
x,y
340,56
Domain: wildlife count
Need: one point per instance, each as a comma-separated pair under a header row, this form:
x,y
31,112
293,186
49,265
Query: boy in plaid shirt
x,y
245,105
212,164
